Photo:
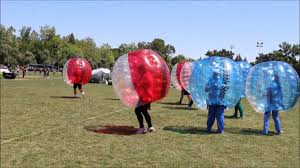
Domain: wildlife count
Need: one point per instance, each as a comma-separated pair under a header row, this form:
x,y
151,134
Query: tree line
x,y
47,47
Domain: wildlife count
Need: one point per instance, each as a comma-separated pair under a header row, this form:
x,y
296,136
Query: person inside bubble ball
x,y
274,99
146,80
184,92
215,110
238,107
141,111
79,86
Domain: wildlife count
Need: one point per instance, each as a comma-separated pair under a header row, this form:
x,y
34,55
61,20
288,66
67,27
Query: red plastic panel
x,y
150,75
178,71
78,71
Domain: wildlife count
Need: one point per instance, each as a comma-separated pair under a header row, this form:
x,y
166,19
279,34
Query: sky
x,y
192,27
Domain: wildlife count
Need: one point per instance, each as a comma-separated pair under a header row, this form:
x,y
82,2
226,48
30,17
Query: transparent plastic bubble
x,y
175,75
140,77
216,81
185,75
77,70
245,67
272,85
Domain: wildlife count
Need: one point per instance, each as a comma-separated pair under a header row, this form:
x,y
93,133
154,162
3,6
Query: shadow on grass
x,y
186,130
178,108
231,117
111,99
171,103
248,131
112,129
64,97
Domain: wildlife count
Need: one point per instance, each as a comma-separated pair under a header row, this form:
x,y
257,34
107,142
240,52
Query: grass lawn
x,y
42,127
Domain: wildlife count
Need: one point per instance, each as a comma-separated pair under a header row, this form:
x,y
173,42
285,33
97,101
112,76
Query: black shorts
x,y
77,85
144,107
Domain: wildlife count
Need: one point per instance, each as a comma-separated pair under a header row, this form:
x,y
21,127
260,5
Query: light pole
x,y
259,45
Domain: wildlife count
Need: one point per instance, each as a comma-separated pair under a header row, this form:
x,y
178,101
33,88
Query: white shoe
x,y
278,133
141,131
83,95
151,129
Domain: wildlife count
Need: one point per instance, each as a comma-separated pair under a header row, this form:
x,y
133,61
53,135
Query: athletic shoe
x,y
141,131
220,132
278,133
83,95
151,129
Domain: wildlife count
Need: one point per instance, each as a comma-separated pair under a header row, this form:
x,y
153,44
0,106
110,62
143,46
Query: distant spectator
x,y
48,71
45,72
24,69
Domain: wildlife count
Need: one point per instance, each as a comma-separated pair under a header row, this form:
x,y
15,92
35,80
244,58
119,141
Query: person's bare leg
x,y
82,92
75,93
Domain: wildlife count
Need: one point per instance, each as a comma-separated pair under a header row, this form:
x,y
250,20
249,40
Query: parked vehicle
x,y
4,69
9,75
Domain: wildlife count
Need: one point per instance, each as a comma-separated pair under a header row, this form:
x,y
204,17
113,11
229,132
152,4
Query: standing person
x,y
48,71
215,110
61,70
184,92
140,112
18,69
238,107
44,72
79,86
23,71
274,98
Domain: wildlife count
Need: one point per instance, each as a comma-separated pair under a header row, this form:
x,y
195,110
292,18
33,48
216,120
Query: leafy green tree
x,y
238,58
8,55
177,59
144,45
8,46
286,52
25,39
47,32
67,51
221,53
26,58
106,56
43,56
165,51
158,45
71,38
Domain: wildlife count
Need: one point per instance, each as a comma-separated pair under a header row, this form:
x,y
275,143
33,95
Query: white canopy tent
x,y
100,75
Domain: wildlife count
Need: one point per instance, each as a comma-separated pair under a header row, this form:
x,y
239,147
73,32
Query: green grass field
x,y
41,127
